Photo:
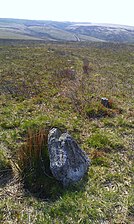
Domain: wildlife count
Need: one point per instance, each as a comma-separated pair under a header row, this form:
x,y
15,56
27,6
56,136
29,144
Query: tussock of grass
x,y
32,163
97,110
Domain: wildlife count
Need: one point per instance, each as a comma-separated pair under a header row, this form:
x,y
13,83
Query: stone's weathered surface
x,y
105,102
68,162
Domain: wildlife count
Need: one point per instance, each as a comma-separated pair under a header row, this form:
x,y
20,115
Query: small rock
x,y
105,102
68,163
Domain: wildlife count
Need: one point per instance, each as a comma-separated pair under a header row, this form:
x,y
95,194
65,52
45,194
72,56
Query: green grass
x,y
40,91
11,34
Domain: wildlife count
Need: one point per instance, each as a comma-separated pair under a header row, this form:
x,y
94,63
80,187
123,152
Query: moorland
x,y
42,86
64,31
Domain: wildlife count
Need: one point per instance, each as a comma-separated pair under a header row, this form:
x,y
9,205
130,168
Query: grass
x,y
43,86
33,165
4,162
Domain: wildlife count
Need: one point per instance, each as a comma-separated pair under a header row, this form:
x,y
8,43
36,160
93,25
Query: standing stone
x,y
105,102
68,162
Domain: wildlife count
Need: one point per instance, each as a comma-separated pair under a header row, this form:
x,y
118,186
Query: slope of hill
x,y
43,86
106,32
64,31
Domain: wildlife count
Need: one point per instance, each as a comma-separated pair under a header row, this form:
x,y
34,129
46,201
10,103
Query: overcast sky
x,y
98,11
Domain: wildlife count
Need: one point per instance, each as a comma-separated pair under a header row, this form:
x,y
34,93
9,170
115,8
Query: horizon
x,y
67,21
86,11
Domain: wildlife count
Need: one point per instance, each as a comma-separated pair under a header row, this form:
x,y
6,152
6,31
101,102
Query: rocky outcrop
x,y
68,162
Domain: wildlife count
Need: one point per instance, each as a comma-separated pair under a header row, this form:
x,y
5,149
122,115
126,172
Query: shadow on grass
x,y
48,189
52,190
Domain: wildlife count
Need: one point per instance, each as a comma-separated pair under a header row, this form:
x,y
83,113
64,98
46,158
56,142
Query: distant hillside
x,y
106,32
64,31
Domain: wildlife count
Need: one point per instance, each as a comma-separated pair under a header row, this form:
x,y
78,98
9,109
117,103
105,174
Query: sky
x,y
94,11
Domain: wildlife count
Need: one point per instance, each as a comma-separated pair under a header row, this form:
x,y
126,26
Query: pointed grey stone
x,y
68,162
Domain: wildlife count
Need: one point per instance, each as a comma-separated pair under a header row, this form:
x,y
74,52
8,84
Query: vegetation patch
x,y
43,85
105,141
6,172
4,161
32,163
